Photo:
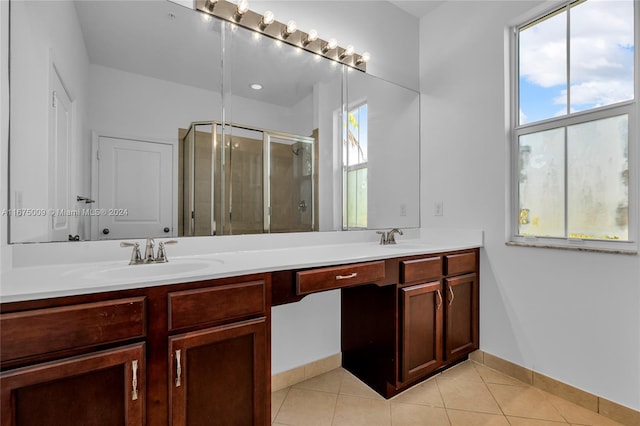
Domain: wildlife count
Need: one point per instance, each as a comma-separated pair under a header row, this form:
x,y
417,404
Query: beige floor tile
x,y
426,393
575,414
464,395
520,401
303,407
351,385
327,382
489,375
469,418
520,421
463,371
417,415
359,411
277,398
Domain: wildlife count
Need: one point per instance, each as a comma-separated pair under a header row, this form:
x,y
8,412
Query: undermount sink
x,y
170,268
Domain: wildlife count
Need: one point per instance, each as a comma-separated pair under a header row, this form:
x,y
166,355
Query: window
x,y
354,161
575,118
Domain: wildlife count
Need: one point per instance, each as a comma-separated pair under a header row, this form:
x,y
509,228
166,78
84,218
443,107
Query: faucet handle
x,y
383,237
162,255
136,257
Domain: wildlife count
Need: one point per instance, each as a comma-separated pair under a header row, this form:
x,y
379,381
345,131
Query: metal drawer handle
x,y
440,300
346,277
134,380
178,368
453,296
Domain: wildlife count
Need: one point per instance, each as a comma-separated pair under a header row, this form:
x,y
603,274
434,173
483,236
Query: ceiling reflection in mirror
x,y
122,126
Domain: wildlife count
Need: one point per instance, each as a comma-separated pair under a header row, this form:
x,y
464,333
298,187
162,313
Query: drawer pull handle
x,y
346,277
134,380
439,300
178,368
453,296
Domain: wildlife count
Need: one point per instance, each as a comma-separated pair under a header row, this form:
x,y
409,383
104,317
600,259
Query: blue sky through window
x,y
601,62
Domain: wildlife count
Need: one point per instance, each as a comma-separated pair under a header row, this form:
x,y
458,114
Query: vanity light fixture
x,y
364,58
289,29
347,52
267,19
239,14
331,44
241,9
210,5
310,38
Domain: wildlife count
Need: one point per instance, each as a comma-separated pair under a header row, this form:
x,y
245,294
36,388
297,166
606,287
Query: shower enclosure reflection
x,y
234,179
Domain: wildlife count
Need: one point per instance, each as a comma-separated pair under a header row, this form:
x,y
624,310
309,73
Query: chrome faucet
x,y
149,256
389,237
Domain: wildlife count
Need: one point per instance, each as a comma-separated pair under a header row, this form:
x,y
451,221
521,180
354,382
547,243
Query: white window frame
x,y
627,107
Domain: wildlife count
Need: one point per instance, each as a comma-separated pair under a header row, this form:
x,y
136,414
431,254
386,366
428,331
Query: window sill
x,y
632,252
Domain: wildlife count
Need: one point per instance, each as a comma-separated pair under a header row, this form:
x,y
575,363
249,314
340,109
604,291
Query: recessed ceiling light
x,y
256,86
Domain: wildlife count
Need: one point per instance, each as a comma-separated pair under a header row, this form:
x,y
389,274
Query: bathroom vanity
x,y
199,351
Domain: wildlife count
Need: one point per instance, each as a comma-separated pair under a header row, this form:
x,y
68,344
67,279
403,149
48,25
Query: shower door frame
x,y
267,136
266,169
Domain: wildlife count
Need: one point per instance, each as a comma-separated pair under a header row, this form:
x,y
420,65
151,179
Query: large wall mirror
x,y
138,119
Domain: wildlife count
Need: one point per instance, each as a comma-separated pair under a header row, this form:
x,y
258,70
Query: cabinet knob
x,y
166,229
105,231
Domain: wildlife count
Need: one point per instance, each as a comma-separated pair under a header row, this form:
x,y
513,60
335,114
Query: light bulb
x,y
243,6
311,37
292,27
268,17
331,44
289,29
347,52
364,58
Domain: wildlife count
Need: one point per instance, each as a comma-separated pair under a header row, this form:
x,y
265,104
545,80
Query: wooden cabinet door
x,y
102,388
422,340
461,311
220,376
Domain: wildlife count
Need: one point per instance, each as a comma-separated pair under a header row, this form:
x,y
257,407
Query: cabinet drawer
x,y
214,304
420,269
460,263
42,331
339,276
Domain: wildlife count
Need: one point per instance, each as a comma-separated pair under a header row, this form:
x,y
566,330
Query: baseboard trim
x,y
602,406
304,372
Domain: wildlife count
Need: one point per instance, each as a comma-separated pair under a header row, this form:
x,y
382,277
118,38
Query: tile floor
x,y
469,394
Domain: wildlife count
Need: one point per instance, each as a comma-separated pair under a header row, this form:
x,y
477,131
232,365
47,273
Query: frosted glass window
x,y
542,184
598,179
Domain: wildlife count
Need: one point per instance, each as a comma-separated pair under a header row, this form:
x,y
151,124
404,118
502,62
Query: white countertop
x,y
202,260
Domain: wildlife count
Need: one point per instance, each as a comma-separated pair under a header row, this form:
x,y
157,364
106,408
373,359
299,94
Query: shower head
x,y
296,151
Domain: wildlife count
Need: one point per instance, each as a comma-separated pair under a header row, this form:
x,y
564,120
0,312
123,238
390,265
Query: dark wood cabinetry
x,y
220,375
199,353
395,335
102,388
110,358
421,330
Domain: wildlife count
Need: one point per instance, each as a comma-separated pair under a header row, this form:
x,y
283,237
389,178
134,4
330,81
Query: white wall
x,y
573,316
